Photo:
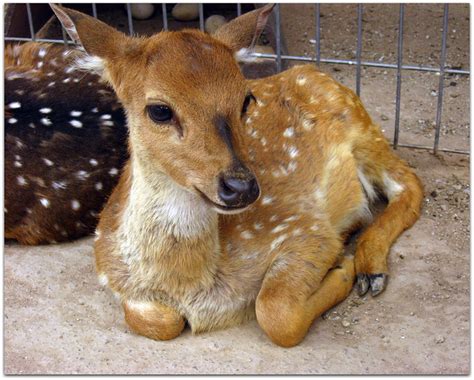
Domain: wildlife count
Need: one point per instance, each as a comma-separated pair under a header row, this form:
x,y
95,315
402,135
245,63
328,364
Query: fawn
x,y
65,142
238,194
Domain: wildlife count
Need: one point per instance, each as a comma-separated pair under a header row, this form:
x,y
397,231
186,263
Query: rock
x,y
185,12
142,11
345,323
440,339
384,117
213,23
434,93
444,207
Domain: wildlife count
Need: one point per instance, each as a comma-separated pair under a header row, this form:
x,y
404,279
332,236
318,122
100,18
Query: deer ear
x,y
96,37
244,31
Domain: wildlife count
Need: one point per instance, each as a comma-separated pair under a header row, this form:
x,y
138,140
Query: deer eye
x,y
247,100
159,113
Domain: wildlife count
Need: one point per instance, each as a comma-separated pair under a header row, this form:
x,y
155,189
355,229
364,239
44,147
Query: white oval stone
x,y
185,12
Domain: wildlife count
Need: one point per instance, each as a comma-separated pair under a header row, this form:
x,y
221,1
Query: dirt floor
x,y
58,320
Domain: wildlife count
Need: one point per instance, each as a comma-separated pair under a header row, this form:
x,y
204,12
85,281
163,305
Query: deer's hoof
x,y
375,282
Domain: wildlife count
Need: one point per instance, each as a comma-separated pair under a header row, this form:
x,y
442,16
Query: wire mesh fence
x,y
442,69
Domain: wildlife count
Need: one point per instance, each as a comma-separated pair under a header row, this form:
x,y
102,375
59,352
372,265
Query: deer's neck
x,y
157,202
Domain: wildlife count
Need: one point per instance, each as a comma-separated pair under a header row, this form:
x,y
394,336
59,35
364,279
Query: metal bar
x,y
63,31
165,16
94,10
457,151
201,17
441,79
363,63
30,22
278,37
22,39
130,20
318,34
359,47
239,9
399,76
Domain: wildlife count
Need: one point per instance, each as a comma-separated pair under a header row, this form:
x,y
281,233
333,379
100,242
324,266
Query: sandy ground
x,y
59,320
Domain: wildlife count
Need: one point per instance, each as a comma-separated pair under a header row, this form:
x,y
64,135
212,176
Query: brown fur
x,y
50,166
318,158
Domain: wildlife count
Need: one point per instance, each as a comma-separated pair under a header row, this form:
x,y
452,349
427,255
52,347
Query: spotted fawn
x,y
65,143
238,194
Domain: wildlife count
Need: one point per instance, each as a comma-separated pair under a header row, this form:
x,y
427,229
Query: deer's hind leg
x,y
404,192
301,285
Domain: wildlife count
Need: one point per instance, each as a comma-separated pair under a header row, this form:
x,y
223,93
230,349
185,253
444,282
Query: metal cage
x,y
279,57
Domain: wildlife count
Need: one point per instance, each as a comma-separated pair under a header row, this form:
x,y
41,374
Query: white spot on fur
x,y
39,65
291,218
314,227
76,113
14,105
12,120
293,151
82,175
45,110
280,228
108,123
75,204
59,185
266,200
98,186
48,162
113,171
106,116
263,141
18,164
289,132
67,80
21,180
273,218
297,232
41,52
391,187
246,235
75,123
44,202
95,110
278,241
51,84
93,162
258,226
46,121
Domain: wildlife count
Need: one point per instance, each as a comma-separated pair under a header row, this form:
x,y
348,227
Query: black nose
x,y
236,192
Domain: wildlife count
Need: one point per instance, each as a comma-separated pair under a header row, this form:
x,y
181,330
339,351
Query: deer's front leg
x,y
300,286
153,319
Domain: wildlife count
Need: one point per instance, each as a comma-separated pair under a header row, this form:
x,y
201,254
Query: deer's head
x,y
185,98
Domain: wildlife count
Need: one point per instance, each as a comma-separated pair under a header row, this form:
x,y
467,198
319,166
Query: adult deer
x,y
238,194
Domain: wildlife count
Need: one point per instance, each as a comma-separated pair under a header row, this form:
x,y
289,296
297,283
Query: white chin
x,y
230,212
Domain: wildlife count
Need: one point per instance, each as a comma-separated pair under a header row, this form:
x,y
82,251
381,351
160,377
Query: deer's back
x,y
65,142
